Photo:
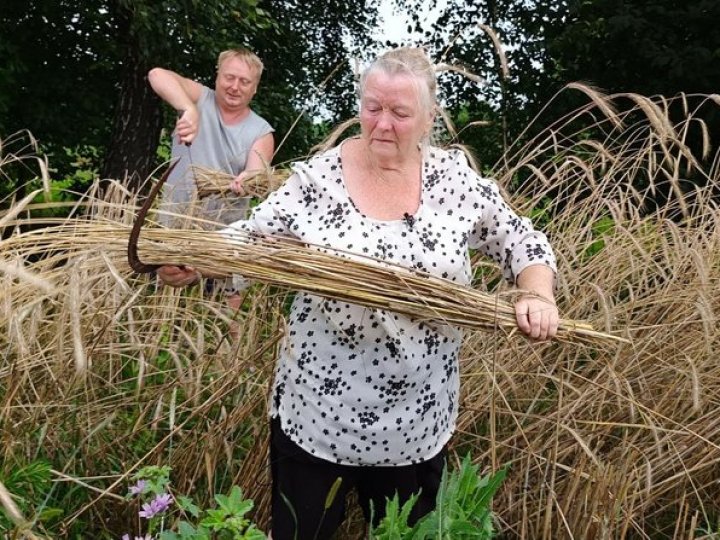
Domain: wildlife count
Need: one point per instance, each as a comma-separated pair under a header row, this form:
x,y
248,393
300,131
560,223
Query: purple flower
x,y
146,537
137,489
157,506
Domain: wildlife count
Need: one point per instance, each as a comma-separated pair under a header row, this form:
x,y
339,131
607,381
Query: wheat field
x,y
104,371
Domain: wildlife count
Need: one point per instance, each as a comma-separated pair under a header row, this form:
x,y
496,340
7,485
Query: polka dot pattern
x,y
364,386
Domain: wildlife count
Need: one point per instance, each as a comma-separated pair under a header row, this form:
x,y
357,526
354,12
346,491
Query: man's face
x,y
235,84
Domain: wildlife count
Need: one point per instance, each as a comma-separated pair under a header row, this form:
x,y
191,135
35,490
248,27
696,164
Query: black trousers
x,y
302,482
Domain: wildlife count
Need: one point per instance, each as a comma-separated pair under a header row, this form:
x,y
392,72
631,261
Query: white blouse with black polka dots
x,y
362,386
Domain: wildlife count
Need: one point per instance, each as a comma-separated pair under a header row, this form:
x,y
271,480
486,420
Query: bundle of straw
x,y
322,271
348,277
259,184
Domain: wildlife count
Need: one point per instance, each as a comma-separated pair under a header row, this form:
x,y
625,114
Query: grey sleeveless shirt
x,y
218,146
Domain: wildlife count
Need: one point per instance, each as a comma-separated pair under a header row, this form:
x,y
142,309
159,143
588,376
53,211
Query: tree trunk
x,y
136,126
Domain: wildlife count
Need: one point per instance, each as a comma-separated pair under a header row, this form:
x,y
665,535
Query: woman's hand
x,y
537,317
178,276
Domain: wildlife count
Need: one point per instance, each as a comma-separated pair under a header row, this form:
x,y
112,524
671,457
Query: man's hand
x,y
178,276
236,184
537,317
187,125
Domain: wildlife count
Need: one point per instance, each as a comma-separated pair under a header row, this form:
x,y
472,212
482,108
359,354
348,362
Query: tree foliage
x,y
309,71
76,70
649,47
73,73
54,79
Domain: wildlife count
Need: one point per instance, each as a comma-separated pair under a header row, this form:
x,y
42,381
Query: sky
x,y
393,23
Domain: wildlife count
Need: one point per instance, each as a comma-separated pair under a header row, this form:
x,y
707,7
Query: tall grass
x,y
104,371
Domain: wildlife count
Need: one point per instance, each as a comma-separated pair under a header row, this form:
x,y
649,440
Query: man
x,y
216,129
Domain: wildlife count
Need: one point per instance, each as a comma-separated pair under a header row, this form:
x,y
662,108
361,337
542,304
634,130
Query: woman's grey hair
x,y
411,61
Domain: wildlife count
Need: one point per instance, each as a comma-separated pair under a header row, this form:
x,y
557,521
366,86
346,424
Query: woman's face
x,y
391,117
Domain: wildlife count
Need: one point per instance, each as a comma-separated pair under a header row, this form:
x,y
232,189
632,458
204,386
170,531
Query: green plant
x,y
462,510
227,521
708,529
394,526
29,485
601,228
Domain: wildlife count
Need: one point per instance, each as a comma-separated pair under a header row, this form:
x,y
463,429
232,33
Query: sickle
x,y
132,252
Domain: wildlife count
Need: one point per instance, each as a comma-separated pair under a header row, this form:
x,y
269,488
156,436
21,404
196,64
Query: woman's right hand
x,y
178,276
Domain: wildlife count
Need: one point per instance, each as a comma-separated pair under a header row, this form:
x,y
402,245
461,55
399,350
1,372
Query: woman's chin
x,y
384,148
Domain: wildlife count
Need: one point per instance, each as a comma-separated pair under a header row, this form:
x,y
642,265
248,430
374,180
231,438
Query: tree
x,y
54,79
649,47
76,70
663,47
505,97
308,60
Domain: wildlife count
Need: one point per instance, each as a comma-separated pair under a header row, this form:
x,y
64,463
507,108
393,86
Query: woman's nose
x,y
384,120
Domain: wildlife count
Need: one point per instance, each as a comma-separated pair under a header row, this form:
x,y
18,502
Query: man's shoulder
x,y
207,96
258,120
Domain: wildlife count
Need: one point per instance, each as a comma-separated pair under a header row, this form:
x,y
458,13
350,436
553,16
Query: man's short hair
x,y
249,57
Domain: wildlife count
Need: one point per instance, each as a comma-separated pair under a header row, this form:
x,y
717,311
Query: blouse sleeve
x,y
498,232
276,215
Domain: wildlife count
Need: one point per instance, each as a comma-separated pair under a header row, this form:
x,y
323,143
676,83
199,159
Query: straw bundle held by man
x,y
259,184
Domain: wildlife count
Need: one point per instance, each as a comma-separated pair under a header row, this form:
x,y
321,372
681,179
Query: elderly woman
x,y
362,394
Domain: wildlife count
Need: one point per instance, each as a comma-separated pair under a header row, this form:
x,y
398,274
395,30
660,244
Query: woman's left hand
x,y
537,317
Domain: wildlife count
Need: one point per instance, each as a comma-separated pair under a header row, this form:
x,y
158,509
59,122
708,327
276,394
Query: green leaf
x,y
292,512
188,532
186,504
394,525
48,514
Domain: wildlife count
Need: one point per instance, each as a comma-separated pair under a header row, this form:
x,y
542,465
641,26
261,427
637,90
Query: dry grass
x,y
104,372
260,184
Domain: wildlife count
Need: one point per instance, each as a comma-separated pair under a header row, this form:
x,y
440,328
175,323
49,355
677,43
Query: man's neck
x,y
233,116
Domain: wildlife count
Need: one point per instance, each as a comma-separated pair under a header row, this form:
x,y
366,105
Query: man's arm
x,y
261,153
259,157
181,94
